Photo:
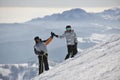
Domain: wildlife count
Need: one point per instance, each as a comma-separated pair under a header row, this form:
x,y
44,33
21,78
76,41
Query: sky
x,y
23,10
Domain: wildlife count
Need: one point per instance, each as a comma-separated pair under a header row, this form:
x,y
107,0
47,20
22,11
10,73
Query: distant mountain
x,y
81,15
111,14
86,25
73,14
17,39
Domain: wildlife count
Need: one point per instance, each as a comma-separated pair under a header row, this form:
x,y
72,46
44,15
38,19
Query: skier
x,y
71,39
41,50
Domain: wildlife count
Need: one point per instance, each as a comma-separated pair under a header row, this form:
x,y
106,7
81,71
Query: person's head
x,y
68,28
37,39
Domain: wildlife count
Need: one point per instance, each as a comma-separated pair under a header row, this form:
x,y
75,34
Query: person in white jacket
x,y
71,40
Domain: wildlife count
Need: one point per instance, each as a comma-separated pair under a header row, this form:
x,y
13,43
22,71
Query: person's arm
x,y
62,36
75,38
48,40
59,36
38,52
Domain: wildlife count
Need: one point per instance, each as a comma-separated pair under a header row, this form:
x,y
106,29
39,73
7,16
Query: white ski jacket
x,y
70,36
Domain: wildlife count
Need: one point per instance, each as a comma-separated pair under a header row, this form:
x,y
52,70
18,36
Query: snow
x,y
4,72
97,38
80,39
80,50
17,41
13,71
101,62
24,71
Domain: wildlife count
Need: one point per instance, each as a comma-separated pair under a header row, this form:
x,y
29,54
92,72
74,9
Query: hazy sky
x,y
23,10
60,3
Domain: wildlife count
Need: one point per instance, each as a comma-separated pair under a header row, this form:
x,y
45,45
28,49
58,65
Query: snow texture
x,y
97,63
24,71
101,62
17,39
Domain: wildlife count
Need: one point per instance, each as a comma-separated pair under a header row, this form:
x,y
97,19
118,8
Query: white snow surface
x,y
101,62
4,72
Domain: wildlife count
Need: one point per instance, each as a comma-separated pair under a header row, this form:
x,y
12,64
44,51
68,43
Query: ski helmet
x,y
68,27
36,38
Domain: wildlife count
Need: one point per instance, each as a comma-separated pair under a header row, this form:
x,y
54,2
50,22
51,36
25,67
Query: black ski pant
x,y
43,62
72,51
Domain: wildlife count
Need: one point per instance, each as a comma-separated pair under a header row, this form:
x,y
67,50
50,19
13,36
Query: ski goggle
x,y
68,29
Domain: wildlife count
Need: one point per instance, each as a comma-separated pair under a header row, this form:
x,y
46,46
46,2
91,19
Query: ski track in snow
x,y
101,62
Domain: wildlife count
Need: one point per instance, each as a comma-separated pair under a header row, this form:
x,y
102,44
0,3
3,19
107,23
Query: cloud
x,y
60,3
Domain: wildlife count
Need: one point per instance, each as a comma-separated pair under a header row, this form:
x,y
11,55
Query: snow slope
x,y
24,71
101,62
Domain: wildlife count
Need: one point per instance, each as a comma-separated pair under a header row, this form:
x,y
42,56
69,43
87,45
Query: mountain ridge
x,y
78,14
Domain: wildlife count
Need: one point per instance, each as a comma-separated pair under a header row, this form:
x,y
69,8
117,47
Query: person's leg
x,y
45,60
69,52
74,48
40,64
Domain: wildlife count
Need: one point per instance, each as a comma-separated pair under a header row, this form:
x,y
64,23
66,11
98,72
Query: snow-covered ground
x,y
17,40
101,62
17,71
24,71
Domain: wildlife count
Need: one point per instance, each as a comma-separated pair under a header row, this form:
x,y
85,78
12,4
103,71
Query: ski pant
x,y
72,51
43,62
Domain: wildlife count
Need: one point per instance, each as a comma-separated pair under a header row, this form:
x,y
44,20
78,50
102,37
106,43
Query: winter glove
x,y
41,52
55,35
52,34
46,54
38,52
75,43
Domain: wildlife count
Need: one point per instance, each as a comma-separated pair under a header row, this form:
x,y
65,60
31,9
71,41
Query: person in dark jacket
x,y
40,49
71,40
